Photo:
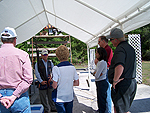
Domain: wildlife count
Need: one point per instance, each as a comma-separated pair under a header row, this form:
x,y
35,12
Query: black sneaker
x,y
54,110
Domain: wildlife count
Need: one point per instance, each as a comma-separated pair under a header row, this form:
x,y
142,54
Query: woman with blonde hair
x,y
64,78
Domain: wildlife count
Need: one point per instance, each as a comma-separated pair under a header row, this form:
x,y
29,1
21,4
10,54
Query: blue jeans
x,y
109,101
101,87
20,105
64,107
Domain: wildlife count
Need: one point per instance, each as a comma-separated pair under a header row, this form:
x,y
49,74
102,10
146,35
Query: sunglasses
x,y
112,39
45,54
5,35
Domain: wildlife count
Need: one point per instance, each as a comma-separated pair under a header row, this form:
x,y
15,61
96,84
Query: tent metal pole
x,y
88,80
33,67
70,50
32,53
111,24
121,27
98,11
71,23
44,11
141,11
29,20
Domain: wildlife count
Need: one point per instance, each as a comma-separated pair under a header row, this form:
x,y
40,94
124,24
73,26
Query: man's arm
x,y
26,77
118,72
37,74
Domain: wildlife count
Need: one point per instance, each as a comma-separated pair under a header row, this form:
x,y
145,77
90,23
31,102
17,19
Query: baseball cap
x,y
115,33
44,51
8,33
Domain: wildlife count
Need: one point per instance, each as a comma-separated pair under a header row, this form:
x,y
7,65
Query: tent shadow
x,y
77,107
140,105
81,108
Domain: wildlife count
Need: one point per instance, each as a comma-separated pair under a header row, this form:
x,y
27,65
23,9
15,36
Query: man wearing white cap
x,y
121,72
43,70
15,75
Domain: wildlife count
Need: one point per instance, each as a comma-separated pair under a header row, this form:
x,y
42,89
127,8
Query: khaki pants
x,y
48,93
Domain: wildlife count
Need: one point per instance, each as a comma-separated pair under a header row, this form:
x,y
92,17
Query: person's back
x,y
11,64
128,54
15,75
67,72
64,78
130,60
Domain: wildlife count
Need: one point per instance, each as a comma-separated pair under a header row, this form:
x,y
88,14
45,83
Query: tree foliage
x,y
79,49
145,40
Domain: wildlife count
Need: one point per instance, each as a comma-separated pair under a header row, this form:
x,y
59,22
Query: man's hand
x,y
7,101
44,82
116,82
49,79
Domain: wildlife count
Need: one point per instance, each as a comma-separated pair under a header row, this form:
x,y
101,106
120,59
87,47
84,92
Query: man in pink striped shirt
x,y
15,75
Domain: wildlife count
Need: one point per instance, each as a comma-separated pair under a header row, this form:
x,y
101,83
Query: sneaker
x,y
54,110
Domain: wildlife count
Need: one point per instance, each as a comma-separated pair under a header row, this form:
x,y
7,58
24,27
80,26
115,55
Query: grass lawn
x,y
82,66
146,72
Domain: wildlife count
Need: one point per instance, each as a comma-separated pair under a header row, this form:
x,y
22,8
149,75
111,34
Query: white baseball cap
x,y
8,33
44,51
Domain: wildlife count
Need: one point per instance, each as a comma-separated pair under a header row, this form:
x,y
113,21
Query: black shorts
x,y
123,94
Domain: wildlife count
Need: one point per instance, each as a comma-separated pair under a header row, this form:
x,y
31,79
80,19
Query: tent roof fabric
x,y
82,19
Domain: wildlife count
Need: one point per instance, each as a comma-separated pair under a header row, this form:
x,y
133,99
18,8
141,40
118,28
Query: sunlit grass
x,y
146,72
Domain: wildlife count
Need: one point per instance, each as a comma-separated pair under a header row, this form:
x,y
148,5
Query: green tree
x,y
79,49
145,40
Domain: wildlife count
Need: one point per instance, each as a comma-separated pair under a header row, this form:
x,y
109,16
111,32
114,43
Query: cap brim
x,y
108,36
44,53
7,37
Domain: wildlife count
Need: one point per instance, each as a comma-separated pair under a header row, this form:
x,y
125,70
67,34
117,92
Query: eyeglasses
x,y
112,39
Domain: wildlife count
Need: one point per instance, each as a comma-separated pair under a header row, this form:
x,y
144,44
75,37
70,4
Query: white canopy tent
x,y
82,19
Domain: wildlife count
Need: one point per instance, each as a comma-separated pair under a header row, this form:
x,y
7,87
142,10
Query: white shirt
x,y
101,68
64,75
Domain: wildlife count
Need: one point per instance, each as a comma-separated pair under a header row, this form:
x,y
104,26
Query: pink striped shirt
x,y
15,69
